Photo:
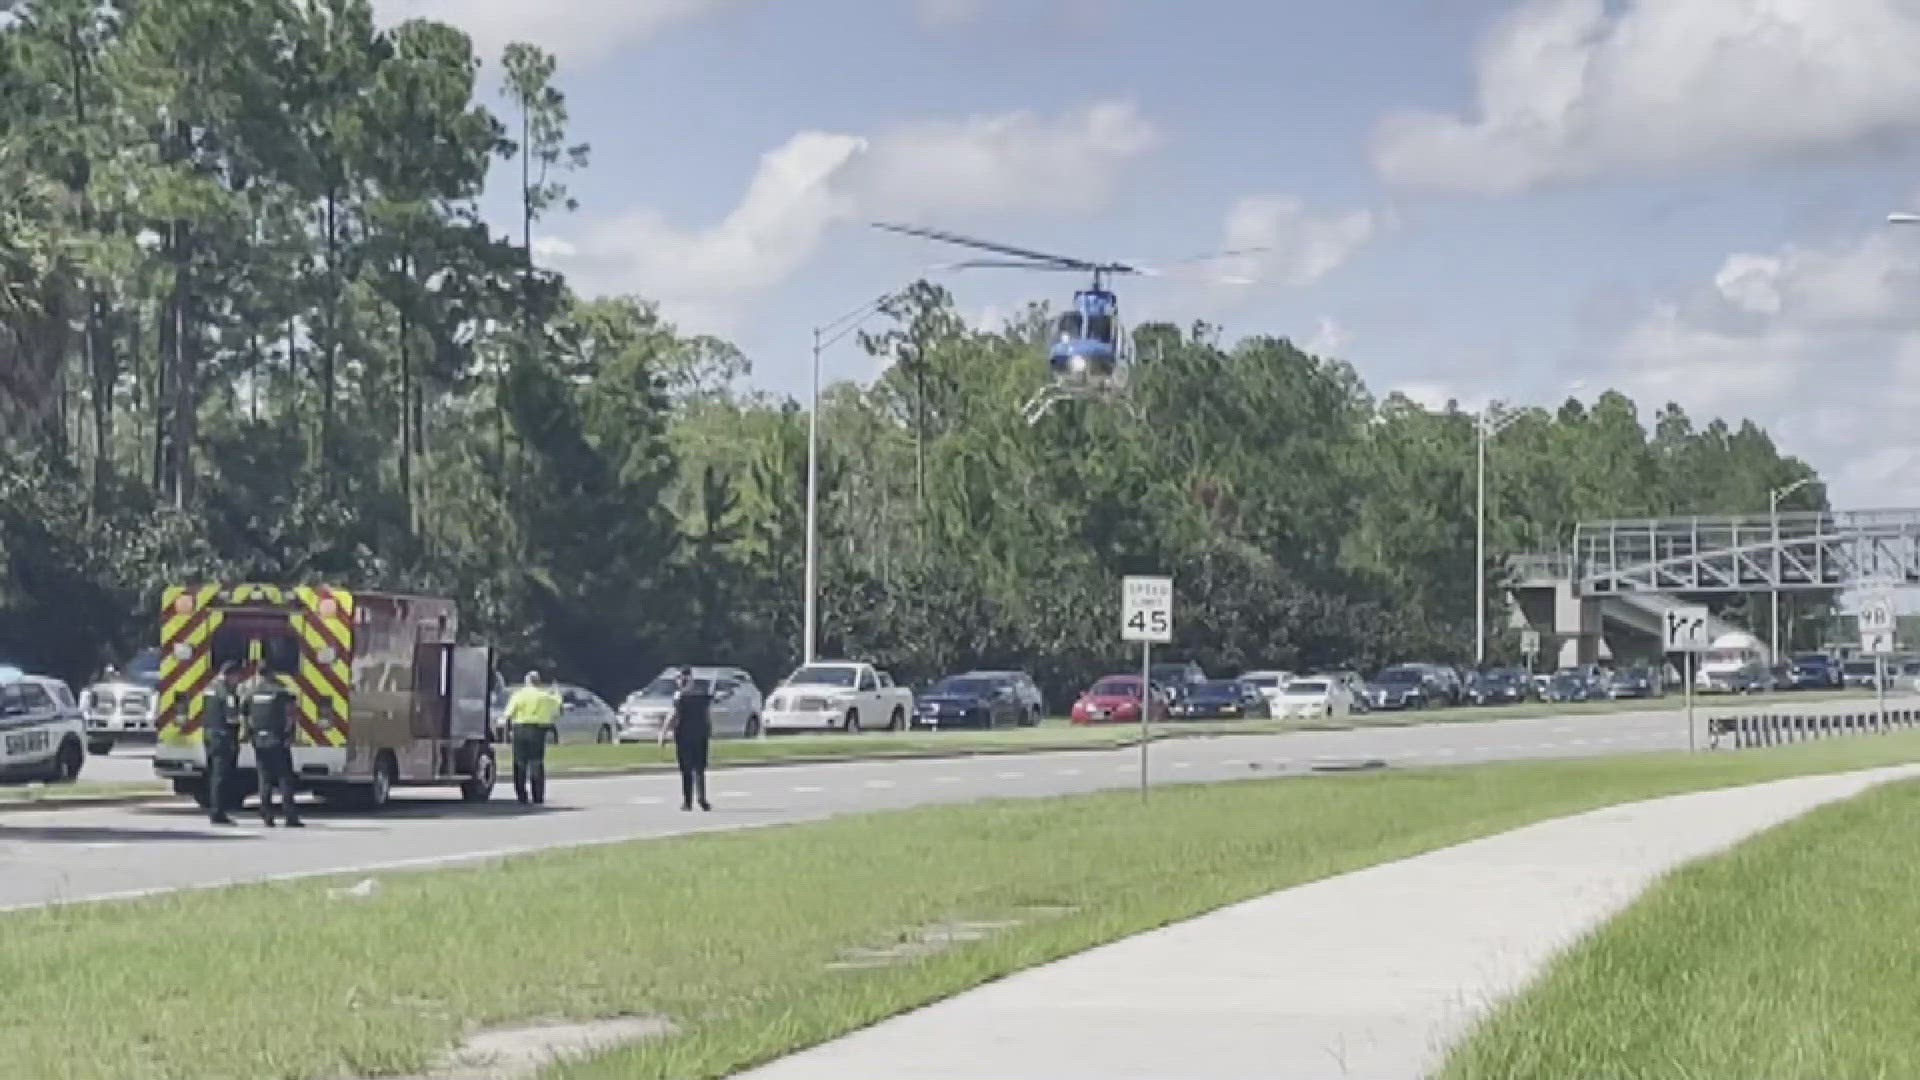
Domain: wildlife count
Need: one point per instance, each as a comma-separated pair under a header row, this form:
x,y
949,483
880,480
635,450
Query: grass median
x,y
1790,956
735,935
1051,735
1060,735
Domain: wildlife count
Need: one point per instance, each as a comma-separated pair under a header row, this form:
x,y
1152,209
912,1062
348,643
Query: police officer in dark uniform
x,y
270,724
220,716
691,726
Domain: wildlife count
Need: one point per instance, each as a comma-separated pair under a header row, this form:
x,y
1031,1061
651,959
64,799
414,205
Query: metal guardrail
x,y
1778,729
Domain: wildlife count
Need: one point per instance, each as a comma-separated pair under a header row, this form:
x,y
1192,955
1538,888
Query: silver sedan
x,y
736,704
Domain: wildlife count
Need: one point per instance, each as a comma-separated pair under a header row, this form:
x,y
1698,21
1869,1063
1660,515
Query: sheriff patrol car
x,y
42,736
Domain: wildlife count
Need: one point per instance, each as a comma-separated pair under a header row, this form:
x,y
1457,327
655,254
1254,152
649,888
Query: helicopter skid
x,y
1053,393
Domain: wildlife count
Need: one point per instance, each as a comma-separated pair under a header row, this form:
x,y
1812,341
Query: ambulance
x,y
384,696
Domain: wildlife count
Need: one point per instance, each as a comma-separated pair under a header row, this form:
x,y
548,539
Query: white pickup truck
x,y
838,695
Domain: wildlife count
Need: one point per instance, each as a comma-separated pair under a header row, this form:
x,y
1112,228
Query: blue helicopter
x,y
1090,354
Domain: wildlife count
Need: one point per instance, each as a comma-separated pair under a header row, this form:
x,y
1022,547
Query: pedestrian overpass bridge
x,y
1622,576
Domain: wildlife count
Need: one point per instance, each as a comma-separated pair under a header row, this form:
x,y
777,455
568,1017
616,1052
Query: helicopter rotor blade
x,y
1182,264
1060,262
1006,264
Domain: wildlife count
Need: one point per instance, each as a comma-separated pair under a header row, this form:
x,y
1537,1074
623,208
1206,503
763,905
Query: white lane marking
x,y
1234,763
1415,753
102,846
879,783
808,789
1067,772
1183,764
736,795
1009,776
946,779
1562,729
1579,742
1447,753
647,800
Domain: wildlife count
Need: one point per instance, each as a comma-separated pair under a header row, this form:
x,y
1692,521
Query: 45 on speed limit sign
x,y
1146,610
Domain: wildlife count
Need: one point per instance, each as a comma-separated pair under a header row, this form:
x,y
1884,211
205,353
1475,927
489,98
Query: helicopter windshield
x,y
1069,326
1100,328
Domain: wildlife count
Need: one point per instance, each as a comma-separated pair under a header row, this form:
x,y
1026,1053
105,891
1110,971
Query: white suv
x,y
41,734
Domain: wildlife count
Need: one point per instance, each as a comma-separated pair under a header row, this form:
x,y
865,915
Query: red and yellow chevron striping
x,y
321,620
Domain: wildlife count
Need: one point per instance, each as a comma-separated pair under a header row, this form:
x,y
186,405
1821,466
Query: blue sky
x,y
1465,198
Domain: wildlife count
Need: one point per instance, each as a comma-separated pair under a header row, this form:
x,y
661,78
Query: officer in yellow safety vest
x,y
531,711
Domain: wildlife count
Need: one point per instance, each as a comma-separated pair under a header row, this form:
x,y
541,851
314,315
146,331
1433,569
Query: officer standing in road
x,y
220,715
691,726
270,727
531,711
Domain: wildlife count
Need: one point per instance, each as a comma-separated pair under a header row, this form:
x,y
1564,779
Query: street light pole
x,y
1773,512
823,338
1487,424
813,508
1480,550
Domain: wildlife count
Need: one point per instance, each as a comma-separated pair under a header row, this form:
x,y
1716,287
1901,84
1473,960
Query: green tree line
x,y
253,324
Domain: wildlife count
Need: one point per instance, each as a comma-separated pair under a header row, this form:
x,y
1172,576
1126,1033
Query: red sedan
x,y
1114,699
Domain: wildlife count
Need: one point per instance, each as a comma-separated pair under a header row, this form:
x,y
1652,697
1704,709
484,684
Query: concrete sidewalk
x,y
1371,974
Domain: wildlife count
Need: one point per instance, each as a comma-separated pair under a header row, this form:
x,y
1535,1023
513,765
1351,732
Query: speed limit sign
x,y
1146,610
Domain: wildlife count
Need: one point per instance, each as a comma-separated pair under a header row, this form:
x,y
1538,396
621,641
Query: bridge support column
x,y
1576,619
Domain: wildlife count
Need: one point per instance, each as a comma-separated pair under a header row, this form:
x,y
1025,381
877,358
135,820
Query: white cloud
x,y
1054,164
1329,339
1301,248
579,30
1570,88
1017,162
1821,345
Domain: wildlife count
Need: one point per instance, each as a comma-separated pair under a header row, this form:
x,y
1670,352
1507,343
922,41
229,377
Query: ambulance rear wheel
x,y
478,787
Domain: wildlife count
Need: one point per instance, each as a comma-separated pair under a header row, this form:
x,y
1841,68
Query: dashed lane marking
x,y
647,800
879,783
1009,776
1067,772
946,779
808,789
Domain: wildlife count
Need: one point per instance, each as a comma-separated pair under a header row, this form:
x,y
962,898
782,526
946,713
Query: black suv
x,y
1024,689
1497,686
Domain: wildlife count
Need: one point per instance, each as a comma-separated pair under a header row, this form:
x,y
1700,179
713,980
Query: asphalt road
x,y
126,765
69,855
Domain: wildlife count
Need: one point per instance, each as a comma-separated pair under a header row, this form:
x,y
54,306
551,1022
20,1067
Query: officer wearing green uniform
x,y
531,710
270,725
220,716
